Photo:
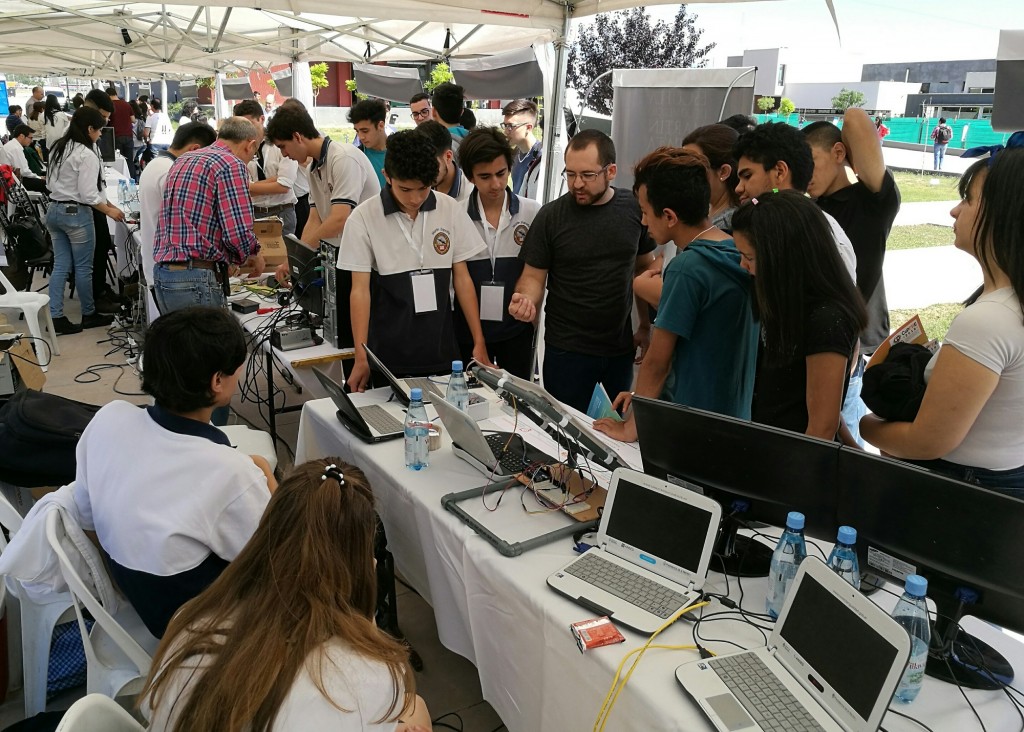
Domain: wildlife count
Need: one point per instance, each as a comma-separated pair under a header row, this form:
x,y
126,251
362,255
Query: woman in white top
x,y
55,123
37,120
75,179
285,638
159,132
971,421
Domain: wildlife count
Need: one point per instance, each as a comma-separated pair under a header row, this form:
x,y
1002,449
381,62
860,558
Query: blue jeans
x,y
74,239
178,289
1010,482
853,406
571,377
939,153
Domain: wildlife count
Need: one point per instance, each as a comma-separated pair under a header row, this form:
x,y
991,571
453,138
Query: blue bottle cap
x,y
795,521
416,395
917,586
456,366
847,535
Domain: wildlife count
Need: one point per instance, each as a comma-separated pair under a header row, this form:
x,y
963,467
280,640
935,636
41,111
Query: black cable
x,y
438,723
94,370
918,722
49,351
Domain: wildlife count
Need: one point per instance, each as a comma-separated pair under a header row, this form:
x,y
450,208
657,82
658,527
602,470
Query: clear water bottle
x,y
912,613
458,392
122,192
417,432
843,559
790,551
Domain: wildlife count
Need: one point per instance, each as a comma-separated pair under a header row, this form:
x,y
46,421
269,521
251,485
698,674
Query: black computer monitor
x,y
106,142
307,276
964,539
756,472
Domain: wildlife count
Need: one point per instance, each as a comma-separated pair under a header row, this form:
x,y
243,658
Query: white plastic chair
x,y
37,622
117,661
97,713
35,307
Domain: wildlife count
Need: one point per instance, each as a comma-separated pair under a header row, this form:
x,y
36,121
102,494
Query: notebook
x,y
373,423
651,557
402,387
832,663
498,454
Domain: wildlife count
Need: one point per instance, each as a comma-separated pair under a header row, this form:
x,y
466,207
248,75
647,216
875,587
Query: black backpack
x,y
943,134
38,436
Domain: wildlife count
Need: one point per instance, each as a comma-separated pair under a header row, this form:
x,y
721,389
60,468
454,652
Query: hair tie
x,y
753,201
331,471
1016,140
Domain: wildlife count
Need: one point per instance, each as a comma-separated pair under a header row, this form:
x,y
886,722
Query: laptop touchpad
x,y
728,710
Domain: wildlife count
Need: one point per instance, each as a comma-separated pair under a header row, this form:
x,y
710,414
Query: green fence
x,y
919,130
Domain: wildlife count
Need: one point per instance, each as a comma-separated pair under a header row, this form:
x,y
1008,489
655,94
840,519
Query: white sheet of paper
x,y
424,295
492,302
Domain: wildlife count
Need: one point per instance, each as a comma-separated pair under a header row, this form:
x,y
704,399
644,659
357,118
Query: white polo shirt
x,y
160,130
461,189
385,242
268,162
151,197
342,174
15,155
498,264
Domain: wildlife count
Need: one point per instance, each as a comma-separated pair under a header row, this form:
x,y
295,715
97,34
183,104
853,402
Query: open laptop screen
x,y
660,525
827,634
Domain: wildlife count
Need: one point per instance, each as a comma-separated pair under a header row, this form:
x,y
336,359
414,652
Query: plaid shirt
x,y
206,212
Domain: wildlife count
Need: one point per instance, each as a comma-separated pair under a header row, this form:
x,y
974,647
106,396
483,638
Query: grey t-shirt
x,y
590,254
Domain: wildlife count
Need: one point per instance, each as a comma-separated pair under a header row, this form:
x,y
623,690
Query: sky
x,y
873,31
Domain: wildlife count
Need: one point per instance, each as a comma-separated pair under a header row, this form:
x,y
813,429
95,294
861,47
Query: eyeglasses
x,y
588,176
508,126
421,113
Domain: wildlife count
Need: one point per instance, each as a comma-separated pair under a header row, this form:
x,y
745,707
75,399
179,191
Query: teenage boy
x,y
419,106
447,105
340,177
271,174
450,180
406,249
775,156
175,502
520,121
502,219
866,210
368,118
13,153
704,345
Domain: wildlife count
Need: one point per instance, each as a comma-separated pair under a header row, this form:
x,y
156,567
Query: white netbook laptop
x,y
651,558
497,454
372,423
402,387
832,663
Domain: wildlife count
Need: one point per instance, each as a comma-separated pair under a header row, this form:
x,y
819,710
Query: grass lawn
x,y
935,318
339,134
915,188
919,236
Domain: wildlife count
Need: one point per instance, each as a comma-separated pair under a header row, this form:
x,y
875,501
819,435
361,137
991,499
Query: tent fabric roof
x,y
188,38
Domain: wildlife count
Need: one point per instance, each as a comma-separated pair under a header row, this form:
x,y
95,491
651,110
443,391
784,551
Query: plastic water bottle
x,y
786,559
133,196
912,613
843,559
122,192
417,428
458,392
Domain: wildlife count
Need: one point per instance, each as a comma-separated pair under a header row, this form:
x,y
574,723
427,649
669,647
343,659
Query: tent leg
x,y
554,116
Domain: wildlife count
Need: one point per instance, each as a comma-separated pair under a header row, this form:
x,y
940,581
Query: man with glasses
x,y
520,119
419,105
585,248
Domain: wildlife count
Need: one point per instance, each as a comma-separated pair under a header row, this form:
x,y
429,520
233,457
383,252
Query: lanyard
x,y
492,245
406,226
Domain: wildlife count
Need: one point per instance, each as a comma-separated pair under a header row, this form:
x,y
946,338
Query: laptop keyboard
x,y
763,694
640,591
429,388
380,419
511,460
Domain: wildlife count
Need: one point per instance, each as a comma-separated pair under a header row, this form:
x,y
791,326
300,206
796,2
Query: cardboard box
x,y
271,238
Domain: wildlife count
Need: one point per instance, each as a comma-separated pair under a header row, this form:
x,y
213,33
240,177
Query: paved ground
x,y
923,161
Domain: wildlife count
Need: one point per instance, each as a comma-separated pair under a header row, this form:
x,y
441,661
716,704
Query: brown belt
x,y
194,264
270,210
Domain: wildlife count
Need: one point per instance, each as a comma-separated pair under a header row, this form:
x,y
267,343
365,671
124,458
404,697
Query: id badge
x,y
424,295
492,301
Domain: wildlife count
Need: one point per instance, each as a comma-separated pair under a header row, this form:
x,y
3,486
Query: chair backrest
x,y
8,287
81,595
98,713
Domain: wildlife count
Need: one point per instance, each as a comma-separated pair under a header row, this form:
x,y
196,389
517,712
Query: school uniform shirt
x,y
269,163
171,501
461,189
341,174
497,266
380,239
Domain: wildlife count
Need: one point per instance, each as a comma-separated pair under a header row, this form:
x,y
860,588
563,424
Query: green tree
x,y
440,74
847,98
206,82
629,40
766,104
786,106
318,77
350,84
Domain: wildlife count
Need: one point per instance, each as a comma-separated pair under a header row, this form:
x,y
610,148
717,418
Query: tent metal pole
x,y
554,119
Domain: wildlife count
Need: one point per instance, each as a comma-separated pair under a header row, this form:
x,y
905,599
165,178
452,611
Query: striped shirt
x,y
206,212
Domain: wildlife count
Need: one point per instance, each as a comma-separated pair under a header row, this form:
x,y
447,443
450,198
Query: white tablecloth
x,y
499,613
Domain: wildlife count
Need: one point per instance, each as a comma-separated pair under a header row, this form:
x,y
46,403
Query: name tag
x,y
424,295
492,301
